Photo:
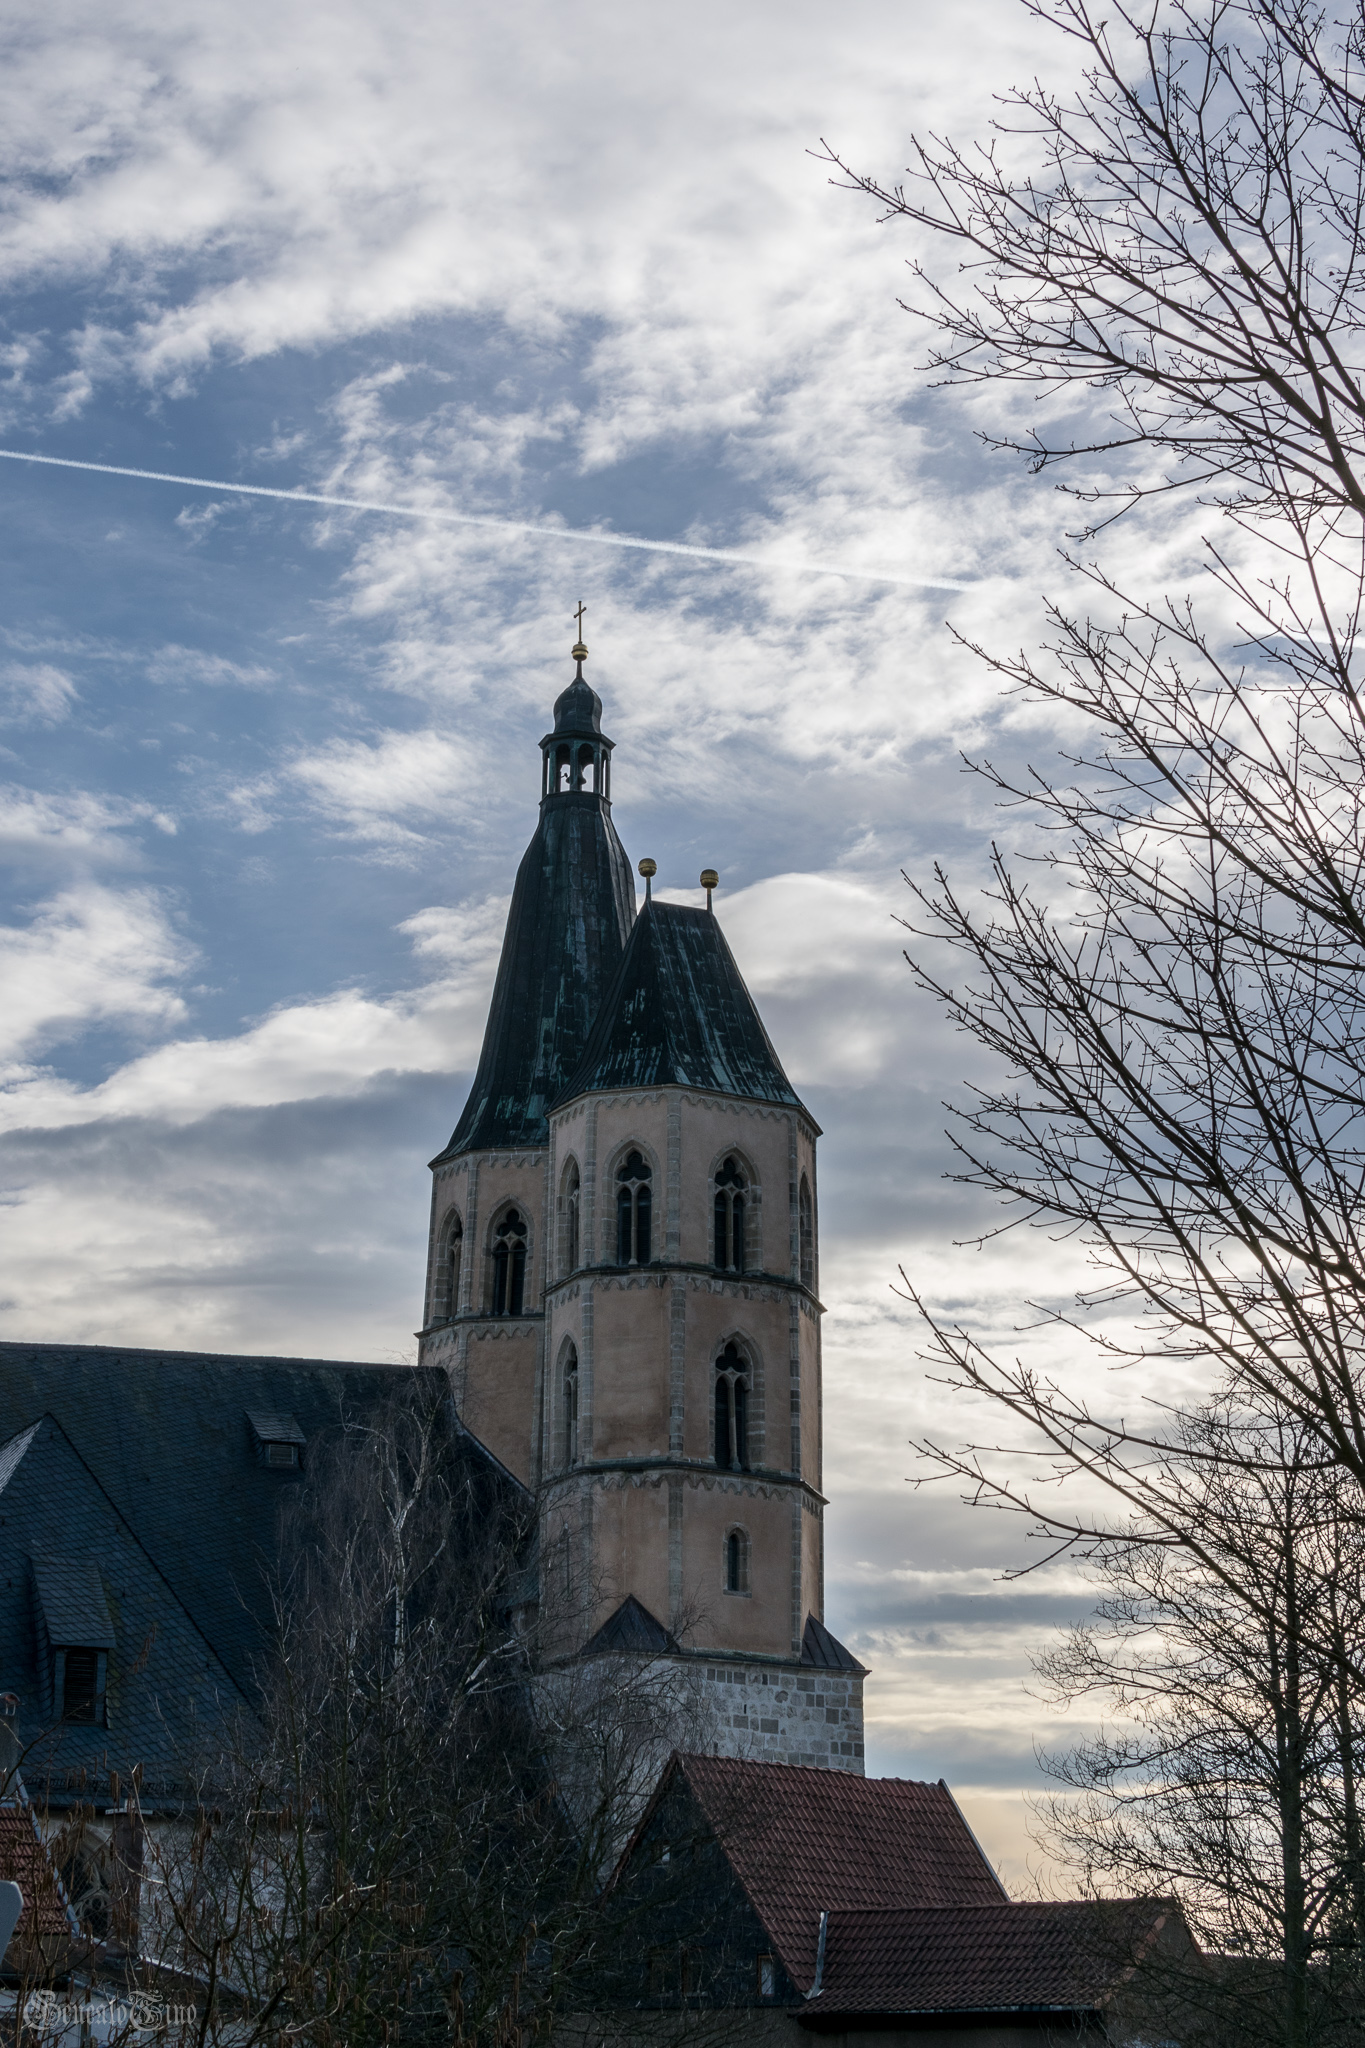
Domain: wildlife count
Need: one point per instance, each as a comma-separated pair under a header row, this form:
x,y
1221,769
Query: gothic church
x,y
622,1279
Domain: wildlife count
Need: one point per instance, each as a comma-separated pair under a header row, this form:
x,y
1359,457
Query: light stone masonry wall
x,y
786,1714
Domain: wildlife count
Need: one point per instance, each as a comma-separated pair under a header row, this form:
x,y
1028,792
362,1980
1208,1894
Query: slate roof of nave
x,y
167,1437
678,1013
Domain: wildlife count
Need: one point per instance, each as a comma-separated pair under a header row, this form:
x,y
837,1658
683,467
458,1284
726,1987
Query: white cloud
x,y
187,665
36,691
91,955
81,825
376,788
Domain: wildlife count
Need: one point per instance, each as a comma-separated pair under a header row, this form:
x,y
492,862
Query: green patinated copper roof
x,y
678,1013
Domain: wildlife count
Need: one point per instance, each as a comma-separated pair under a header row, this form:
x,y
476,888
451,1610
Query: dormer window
x,y
79,1633
278,1440
80,1685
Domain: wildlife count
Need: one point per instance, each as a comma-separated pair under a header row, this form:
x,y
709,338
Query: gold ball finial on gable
x,y
649,869
709,880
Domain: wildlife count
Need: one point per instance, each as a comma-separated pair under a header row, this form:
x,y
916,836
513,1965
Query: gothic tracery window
x,y
454,1250
729,1244
572,1205
509,1264
633,1204
732,1411
806,1228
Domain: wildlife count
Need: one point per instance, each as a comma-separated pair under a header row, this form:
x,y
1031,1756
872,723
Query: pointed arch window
x,y
737,1561
806,1228
633,1208
569,1407
729,1234
732,1411
509,1264
454,1249
572,1210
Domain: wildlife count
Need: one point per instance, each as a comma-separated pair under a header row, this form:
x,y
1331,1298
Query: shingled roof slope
x,y
166,1435
573,904
1057,1956
24,1860
803,1841
678,1014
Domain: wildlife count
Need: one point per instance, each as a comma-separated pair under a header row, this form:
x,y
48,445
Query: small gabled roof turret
x,y
678,1013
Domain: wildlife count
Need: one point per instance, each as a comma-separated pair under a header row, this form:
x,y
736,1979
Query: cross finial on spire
x,y
578,616
578,652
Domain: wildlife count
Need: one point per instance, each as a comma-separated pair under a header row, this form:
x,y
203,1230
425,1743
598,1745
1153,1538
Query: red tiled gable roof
x,y
24,1861
803,1841
1063,1955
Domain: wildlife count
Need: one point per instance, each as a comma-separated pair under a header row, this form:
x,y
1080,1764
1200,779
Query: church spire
x,y
572,909
576,756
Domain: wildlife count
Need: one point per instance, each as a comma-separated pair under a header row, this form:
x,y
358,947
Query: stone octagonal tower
x,y
622,1281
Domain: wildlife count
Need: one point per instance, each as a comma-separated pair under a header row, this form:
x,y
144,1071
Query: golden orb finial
x,y
649,869
709,880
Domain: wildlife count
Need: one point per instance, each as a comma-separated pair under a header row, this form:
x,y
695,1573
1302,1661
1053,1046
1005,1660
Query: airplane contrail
x,y
570,533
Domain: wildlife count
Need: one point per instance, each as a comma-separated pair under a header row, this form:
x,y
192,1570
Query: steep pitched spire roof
x,y
572,907
678,1013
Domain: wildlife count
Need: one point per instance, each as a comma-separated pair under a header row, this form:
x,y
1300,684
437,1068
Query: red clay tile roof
x,y
991,1958
25,1862
804,1841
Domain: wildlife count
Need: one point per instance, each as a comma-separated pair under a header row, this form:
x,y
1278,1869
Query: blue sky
x,y
267,769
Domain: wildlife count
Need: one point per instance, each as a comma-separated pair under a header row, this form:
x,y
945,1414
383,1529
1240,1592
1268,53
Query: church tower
x,y
623,1281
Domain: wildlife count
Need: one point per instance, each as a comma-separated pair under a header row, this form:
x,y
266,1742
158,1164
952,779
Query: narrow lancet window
x,y
736,1562
732,1411
729,1246
509,1265
572,1205
633,1199
454,1250
570,1408
806,1228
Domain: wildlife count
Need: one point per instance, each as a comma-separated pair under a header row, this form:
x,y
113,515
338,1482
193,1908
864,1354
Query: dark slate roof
x,y
803,1841
678,1013
144,1466
819,1647
572,908
1063,1956
631,1627
166,1435
164,1676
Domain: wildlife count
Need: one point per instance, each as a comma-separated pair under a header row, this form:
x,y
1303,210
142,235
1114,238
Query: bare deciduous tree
x,y
411,1837
1169,978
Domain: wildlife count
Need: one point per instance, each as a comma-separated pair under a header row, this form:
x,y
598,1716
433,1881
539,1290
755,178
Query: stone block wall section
x,y
786,1714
